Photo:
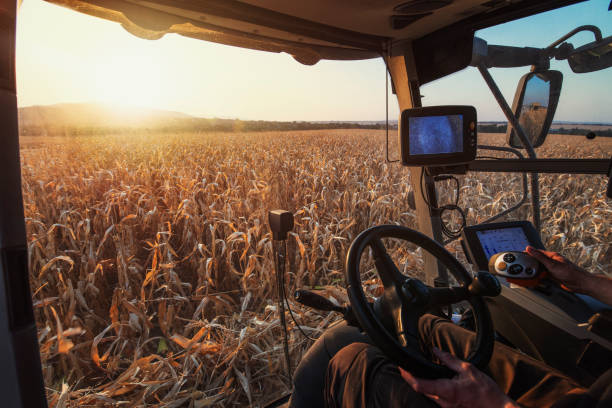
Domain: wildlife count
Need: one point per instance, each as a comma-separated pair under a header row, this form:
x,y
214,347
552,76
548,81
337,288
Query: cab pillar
x,y
21,381
401,66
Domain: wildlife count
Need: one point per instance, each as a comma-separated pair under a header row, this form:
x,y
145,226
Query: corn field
x,y
151,263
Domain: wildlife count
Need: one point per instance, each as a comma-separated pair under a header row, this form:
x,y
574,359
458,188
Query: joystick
x,y
517,267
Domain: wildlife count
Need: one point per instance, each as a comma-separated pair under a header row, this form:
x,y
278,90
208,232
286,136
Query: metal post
x,y
21,381
280,254
513,121
281,222
403,72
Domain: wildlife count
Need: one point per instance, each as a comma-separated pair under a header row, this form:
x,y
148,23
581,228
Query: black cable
x,y
455,179
387,73
448,207
293,317
280,272
283,295
445,229
457,191
489,157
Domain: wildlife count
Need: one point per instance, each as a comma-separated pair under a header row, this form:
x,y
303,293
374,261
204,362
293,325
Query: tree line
x,y
193,126
502,128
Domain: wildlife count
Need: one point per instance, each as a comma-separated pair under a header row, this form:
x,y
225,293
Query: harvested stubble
x,y
151,261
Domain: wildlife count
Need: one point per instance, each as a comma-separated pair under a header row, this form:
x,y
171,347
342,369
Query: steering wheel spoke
x,y
387,270
400,298
403,317
448,296
408,327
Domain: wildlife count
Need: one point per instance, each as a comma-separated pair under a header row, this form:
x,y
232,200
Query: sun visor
x,y
312,30
150,24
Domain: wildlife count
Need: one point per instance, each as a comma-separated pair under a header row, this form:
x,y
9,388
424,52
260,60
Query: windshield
x,y
581,114
149,168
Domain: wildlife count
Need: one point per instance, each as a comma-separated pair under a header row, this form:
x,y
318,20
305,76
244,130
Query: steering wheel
x,y
405,300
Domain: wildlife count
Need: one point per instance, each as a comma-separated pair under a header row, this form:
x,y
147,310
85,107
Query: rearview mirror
x,y
591,57
535,103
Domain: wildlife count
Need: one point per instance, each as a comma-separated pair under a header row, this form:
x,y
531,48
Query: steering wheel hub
x,y
415,292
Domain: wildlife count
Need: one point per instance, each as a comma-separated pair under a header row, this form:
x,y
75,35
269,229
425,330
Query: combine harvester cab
x,y
420,41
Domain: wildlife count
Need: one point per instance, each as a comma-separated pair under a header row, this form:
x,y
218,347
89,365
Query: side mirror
x,y
594,56
535,103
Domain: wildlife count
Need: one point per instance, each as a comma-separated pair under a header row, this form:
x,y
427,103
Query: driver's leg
x,y
309,377
360,375
528,381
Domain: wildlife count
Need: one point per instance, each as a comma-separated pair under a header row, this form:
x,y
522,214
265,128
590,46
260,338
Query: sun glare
x,y
99,62
64,56
132,80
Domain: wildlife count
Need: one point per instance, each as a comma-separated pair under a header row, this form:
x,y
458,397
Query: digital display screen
x,y
435,134
502,240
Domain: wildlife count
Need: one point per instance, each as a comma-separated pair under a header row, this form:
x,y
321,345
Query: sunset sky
x,y
64,56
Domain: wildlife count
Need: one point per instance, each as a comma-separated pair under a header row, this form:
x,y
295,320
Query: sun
x,y
130,80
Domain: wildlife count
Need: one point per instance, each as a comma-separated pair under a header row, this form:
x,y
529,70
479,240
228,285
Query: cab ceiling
x,y
309,30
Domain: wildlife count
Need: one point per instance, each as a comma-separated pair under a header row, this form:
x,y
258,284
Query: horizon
x,y
189,116
106,64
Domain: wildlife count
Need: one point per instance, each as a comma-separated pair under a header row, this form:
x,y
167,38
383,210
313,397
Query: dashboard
x,y
528,318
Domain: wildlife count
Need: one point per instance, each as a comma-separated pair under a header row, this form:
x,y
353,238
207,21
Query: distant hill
x,y
96,115
74,119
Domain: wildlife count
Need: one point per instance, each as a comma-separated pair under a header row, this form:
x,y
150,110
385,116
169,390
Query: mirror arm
x,y
502,56
594,29
513,121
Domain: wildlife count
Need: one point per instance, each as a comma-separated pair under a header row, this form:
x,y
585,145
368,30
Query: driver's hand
x,y
470,388
569,275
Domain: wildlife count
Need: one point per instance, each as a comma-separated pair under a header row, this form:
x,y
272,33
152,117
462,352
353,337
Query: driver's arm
x,y
470,388
573,277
